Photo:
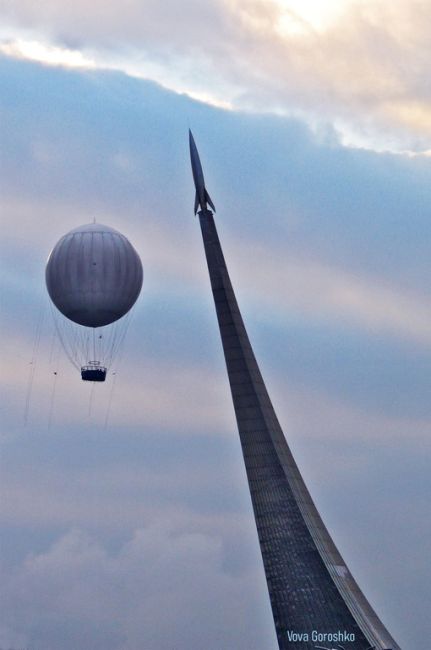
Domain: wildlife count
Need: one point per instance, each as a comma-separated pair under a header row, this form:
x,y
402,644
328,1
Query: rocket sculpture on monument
x,y
316,603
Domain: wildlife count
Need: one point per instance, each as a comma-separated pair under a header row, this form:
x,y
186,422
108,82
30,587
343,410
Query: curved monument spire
x,y
316,603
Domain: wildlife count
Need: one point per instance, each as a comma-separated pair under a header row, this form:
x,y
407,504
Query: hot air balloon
x,y
94,277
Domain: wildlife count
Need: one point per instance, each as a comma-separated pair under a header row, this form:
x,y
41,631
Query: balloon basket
x,y
91,373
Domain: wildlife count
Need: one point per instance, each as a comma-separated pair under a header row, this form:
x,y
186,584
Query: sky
x,y
126,522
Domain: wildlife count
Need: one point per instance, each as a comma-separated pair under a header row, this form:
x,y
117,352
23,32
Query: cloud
x,y
308,189
366,71
329,256
307,287
36,51
162,589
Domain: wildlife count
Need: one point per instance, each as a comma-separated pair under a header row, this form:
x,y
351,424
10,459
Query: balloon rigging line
x,y
120,335
54,341
51,406
90,400
111,395
71,357
54,386
33,362
87,345
77,342
129,317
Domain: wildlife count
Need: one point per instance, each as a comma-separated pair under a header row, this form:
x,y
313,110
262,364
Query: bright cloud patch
x,y
358,65
44,53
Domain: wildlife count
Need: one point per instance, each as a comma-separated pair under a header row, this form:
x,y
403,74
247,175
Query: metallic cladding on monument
x,y
316,602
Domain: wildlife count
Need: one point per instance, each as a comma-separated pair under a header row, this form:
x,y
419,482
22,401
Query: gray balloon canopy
x,y
94,275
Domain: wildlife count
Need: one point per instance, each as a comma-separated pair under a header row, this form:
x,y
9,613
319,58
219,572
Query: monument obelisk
x,y
315,600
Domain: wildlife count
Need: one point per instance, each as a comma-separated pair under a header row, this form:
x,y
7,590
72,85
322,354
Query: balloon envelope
x,y
94,275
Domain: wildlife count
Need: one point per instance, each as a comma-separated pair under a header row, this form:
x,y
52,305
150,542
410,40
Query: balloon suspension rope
x,y
54,385
33,363
91,399
111,395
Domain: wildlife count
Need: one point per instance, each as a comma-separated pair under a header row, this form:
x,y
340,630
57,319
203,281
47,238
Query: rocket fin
x,y
208,199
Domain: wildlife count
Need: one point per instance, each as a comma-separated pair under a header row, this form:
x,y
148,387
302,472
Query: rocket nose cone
x,y
196,163
193,149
